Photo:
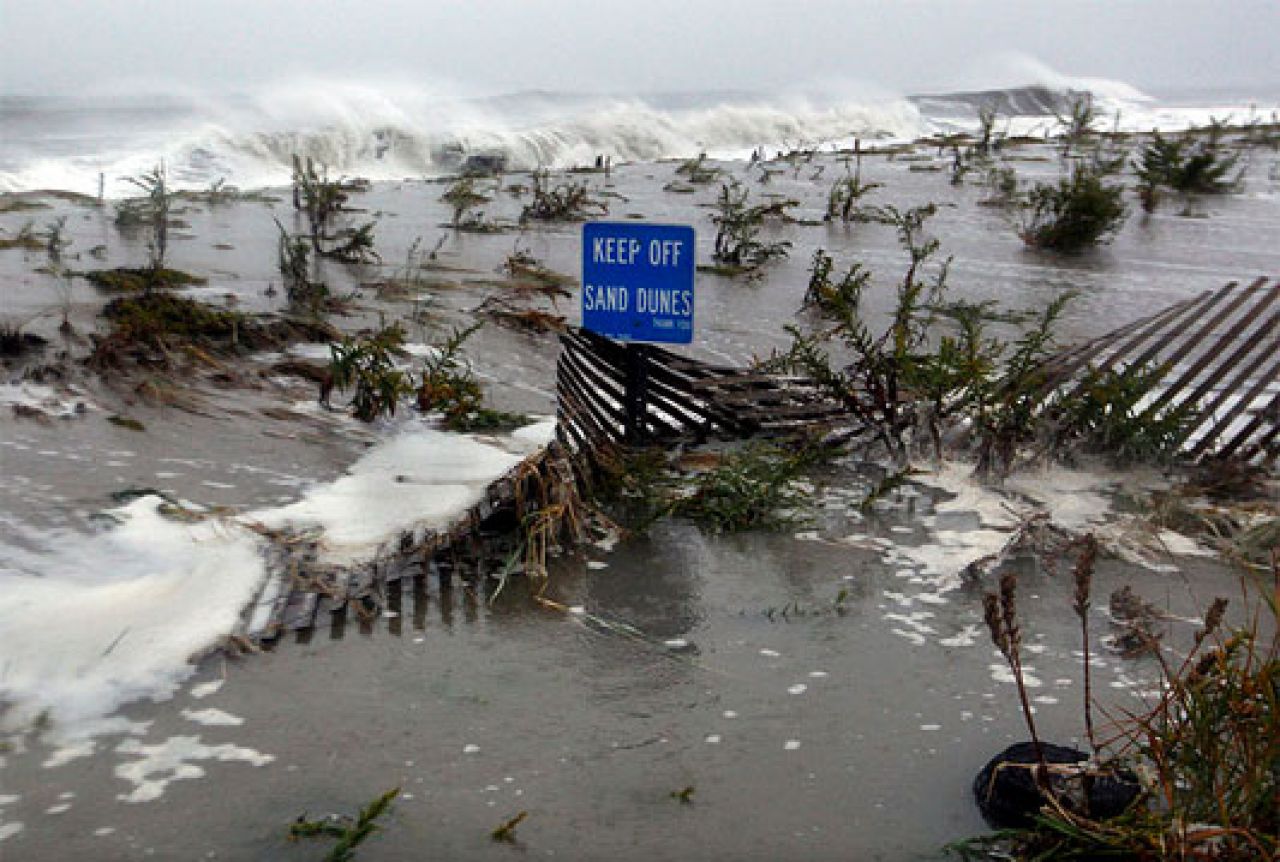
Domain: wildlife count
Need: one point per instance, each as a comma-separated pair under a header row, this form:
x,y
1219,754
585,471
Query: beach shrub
x,y
696,171
1106,413
845,196
751,488
368,365
738,224
936,365
1191,164
323,201
1002,186
886,371
293,260
567,201
834,298
1080,210
463,197
1077,125
448,386
150,212
989,140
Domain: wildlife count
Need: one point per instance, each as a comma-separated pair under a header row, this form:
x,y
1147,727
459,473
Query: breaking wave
x,y
394,132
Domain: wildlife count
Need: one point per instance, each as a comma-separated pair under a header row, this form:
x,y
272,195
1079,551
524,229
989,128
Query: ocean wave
x,y
393,132
355,131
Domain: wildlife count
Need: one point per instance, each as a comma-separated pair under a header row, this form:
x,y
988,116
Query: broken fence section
x,y
610,394
304,592
1216,354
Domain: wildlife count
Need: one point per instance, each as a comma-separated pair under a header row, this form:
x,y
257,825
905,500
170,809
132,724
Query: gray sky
x,y
643,45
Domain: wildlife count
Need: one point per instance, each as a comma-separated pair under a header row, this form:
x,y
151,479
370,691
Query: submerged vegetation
x,y
324,203
367,366
124,279
151,212
565,201
1077,212
349,833
1188,164
374,368
738,248
756,487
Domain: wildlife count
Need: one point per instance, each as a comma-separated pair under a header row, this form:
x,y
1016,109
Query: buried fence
x,y
1218,352
517,518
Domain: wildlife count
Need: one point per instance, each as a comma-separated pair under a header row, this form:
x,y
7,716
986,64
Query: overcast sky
x,y
643,45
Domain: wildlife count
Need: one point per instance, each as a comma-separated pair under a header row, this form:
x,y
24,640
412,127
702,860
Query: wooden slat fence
x,y
1217,354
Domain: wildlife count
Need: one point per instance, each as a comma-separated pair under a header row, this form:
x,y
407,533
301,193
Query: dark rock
x,y
1009,797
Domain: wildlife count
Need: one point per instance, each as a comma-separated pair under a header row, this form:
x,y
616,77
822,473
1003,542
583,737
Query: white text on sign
x,y
623,252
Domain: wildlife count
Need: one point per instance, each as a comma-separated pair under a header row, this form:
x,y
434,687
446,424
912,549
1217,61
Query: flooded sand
x,y
815,734
819,691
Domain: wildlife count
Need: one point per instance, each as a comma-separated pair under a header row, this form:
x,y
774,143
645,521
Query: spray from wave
x,y
390,132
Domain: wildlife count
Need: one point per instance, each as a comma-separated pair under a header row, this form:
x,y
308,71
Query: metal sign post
x,y
637,287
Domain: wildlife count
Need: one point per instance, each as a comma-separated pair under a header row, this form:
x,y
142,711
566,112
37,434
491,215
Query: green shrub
x,y
738,224
1191,164
1078,211
367,365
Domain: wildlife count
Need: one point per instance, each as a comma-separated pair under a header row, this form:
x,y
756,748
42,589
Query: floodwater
x,y
826,692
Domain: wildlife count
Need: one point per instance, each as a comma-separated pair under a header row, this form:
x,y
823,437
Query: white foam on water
x,y
212,717
1000,673
175,759
967,637
91,622
59,403
101,620
8,830
204,689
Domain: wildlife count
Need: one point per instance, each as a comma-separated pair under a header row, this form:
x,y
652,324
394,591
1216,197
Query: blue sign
x,y
637,281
